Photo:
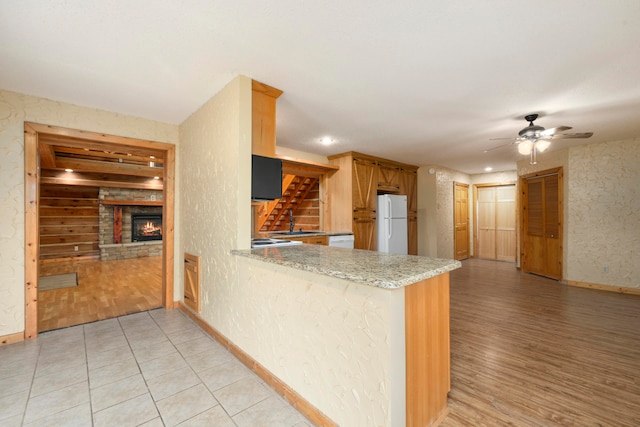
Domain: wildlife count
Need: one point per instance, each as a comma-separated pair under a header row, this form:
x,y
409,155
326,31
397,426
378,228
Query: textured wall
x,y
15,109
216,196
604,214
327,338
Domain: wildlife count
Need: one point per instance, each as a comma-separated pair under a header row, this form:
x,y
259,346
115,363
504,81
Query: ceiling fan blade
x,y
500,146
503,139
572,135
553,131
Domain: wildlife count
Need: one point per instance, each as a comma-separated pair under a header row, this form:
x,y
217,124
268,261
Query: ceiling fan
x,y
534,138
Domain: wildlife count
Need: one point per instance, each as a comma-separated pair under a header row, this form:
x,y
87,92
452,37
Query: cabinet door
x,y
365,183
364,233
412,229
389,178
408,186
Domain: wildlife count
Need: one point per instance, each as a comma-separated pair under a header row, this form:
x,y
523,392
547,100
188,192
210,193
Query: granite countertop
x,y
365,267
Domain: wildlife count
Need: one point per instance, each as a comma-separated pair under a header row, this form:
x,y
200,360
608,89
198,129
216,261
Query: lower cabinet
x,y
311,240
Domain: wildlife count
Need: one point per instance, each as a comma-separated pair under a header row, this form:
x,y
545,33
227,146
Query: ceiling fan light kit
x,y
534,138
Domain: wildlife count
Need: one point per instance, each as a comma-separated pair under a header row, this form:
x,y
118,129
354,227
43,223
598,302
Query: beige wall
x,y
15,109
602,211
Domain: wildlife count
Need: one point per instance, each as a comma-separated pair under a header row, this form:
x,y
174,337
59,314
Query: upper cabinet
x,y
263,119
353,191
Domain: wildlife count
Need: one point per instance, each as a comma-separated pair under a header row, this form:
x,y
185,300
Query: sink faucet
x,y
291,221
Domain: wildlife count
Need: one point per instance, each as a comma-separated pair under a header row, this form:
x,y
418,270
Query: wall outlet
x,y
75,248
153,197
605,269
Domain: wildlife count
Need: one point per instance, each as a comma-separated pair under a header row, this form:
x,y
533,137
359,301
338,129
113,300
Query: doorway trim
x,y
32,203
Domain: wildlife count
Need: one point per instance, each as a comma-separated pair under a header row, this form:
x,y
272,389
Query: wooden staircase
x,y
274,215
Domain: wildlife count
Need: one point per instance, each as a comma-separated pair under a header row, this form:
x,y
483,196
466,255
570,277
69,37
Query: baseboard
x,y
312,413
10,339
608,288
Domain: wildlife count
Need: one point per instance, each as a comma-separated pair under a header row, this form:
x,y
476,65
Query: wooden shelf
x,y
132,202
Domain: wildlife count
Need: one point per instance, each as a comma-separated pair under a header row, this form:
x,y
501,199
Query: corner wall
x,y
15,109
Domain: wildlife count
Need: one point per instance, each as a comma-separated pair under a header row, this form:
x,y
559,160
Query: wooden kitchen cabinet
x,y
353,191
389,178
409,186
310,240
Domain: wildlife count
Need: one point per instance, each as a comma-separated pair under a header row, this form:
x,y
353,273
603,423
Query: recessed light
x,y
68,170
156,177
327,140
488,169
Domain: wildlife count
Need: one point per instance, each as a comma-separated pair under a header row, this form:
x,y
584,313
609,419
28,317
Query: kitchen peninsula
x,y
362,336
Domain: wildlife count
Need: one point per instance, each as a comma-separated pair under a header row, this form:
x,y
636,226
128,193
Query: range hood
x,y
266,178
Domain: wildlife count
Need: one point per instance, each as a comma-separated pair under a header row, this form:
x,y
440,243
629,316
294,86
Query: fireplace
x,y
145,226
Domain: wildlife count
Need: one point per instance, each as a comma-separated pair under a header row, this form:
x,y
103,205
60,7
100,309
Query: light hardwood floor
x,y
529,351
105,289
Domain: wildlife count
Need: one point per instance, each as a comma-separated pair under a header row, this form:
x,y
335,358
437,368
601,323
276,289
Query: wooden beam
x,y
151,184
95,140
82,165
126,157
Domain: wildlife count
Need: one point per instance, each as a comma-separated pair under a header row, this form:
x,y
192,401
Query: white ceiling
x,y
421,82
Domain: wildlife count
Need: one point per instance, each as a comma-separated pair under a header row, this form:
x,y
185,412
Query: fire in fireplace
x,y
146,226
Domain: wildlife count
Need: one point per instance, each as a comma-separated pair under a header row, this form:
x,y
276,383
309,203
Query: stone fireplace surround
x,y
127,249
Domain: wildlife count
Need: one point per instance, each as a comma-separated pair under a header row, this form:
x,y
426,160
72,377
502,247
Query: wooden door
x,y
461,221
192,282
496,222
542,224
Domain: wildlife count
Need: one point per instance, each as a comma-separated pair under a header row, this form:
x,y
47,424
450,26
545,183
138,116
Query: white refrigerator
x,y
392,224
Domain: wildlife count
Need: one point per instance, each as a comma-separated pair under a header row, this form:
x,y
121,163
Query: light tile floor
x,y
156,368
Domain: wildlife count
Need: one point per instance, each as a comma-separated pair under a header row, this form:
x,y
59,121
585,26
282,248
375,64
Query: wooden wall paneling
x,y
69,218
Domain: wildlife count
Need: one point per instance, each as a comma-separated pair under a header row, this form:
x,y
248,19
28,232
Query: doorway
x,y
495,219
461,220
36,155
542,223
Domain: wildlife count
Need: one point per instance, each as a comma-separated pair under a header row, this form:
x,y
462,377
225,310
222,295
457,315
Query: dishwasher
x,y
341,241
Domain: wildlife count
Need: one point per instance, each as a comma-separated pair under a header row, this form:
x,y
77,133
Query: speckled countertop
x,y
360,266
